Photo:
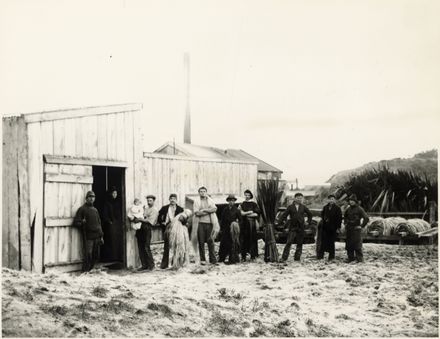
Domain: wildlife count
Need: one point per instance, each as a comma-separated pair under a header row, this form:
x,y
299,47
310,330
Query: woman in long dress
x,y
112,220
250,213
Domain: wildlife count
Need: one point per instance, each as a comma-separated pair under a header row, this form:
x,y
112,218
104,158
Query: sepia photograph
x,y
246,168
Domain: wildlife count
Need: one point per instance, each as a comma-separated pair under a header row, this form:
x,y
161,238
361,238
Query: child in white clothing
x,y
136,211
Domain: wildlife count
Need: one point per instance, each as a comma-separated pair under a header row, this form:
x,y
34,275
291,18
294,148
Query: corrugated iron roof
x,y
214,152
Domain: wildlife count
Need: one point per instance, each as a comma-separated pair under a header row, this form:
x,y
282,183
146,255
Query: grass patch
x,y
225,326
99,291
229,295
162,308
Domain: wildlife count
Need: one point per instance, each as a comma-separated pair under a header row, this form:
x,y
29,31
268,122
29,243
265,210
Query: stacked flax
x,y
384,226
412,226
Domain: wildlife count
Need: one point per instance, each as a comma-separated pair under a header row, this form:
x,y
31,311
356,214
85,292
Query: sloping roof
x,y
69,113
213,152
262,165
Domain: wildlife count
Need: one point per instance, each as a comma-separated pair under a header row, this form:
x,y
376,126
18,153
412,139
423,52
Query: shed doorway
x,y
112,213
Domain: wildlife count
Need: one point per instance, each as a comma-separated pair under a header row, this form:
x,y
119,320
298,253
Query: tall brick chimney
x,y
187,128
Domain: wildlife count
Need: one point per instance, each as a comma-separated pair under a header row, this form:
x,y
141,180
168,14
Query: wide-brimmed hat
x,y
353,197
231,197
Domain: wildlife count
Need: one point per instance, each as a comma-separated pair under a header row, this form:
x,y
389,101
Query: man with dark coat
x,y
297,211
353,226
331,221
88,220
166,215
229,215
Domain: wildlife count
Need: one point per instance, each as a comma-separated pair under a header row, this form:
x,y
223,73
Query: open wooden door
x,y
65,188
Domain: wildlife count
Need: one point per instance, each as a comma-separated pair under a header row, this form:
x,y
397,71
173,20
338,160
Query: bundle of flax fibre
x,y
235,249
412,226
384,226
179,243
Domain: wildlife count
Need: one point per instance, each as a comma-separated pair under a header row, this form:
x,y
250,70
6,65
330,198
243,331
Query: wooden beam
x,y
56,222
80,112
68,178
10,183
24,207
35,172
66,160
6,173
63,267
432,210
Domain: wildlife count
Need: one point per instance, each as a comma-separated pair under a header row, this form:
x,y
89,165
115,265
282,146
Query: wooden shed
x,y
165,174
50,160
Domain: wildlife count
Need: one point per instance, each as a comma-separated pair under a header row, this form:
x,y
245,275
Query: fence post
x,y
432,209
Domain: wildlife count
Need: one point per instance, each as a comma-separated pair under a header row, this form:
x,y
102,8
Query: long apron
x,y
353,240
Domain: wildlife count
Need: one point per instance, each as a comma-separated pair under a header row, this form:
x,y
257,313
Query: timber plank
x,y
111,137
63,268
80,112
102,136
35,171
23,181
67,178
12,187
78,138
93,136
59,137
130,253
69,137
6,175
120,137
57,221
66,160
47,137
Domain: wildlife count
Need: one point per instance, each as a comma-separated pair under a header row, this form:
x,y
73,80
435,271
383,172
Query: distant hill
x,y
421,163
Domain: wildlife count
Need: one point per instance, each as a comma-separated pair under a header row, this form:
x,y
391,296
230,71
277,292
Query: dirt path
x,y
394,293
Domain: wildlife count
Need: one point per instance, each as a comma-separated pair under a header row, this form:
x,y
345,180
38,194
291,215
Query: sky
x,y
311,87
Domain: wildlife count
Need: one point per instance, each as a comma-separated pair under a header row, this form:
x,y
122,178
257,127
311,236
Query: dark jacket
x,y
353,216
228,216
87,218
164,211
112,212
352,219
331,217
297,216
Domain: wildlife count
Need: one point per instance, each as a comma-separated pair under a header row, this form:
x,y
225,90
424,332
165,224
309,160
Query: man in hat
x,y
166,215
143,234
297,211
331,221
353,227
88,220
229,215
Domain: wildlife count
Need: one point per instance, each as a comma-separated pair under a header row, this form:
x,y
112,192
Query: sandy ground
x,y
394,293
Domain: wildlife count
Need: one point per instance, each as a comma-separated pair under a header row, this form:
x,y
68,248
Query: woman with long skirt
x,y
250,213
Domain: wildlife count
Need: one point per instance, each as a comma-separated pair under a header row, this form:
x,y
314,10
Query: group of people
x,y
186,232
